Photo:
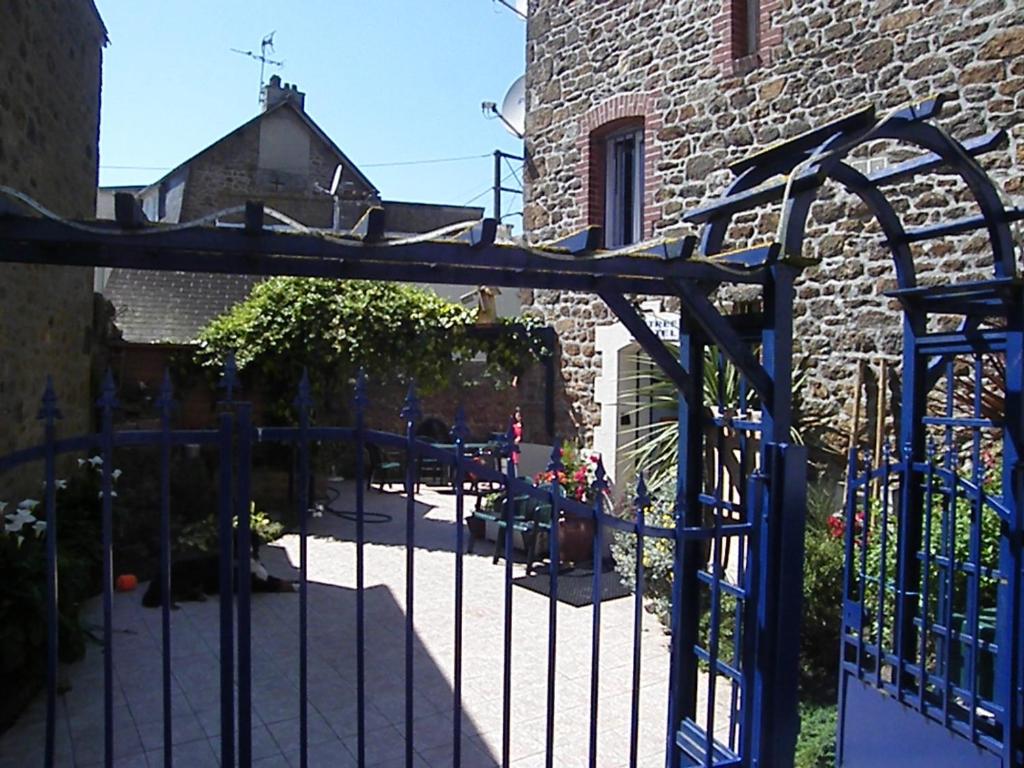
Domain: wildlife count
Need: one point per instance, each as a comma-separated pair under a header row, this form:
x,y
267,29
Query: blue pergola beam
x,y
958,226
722,334
929,161
648,340
459,263
853,123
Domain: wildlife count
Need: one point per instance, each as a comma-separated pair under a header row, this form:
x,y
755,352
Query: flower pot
x,y
576,539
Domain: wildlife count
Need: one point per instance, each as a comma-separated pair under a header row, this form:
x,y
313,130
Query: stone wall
x,y
818,60
50,54
227,174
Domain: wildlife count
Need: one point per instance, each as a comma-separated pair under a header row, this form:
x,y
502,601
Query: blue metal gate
x,y
737,557
711,668
931,627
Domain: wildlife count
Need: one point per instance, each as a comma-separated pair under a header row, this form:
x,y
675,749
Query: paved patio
x,y
138,735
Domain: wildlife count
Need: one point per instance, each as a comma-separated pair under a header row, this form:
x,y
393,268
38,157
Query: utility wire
x,y
490,188
427,161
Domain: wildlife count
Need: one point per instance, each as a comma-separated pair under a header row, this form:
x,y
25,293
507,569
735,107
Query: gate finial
x,y
165,401
360,399
108,393
460,431
49,412
555,460
229,377
643,499
411,407
509,447
600,476
304,398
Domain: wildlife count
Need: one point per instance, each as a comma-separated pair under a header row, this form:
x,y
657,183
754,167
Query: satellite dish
x,y
513,108
336,181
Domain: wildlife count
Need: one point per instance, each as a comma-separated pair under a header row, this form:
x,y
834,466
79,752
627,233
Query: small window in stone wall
x,y
746,15
745,34
617,181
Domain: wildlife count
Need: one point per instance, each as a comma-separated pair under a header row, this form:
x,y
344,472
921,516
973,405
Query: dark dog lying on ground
x,y
193,578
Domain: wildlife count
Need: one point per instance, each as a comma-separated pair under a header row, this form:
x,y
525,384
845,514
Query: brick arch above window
x,y
613,116
746,36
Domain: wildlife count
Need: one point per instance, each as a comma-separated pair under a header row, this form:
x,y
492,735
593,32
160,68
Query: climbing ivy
x,y
333,327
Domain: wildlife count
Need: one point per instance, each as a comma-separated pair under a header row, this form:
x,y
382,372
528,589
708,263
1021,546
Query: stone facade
x,y
705,102
50,54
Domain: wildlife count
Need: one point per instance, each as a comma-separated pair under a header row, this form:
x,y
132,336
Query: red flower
x,y
836,525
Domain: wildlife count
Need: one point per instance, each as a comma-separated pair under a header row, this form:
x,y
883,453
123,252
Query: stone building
x,y
635,108
50,54
284,159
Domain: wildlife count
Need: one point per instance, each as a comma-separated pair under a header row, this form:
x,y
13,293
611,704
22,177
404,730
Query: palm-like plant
x,y
724,394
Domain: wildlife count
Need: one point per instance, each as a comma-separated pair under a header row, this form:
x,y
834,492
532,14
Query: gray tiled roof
x,y
171,307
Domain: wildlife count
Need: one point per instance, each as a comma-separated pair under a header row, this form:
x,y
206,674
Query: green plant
x,y
577,475
816,744
333,327
23,595
655,451
201,536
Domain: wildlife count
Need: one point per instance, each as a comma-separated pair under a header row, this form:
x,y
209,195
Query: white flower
x,y
96,461
18,519
115,474
61,484
113,494
317,510
3,506
81,462
28,504
40,526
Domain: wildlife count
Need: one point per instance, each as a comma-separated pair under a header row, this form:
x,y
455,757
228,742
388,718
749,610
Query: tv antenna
x,y
266,45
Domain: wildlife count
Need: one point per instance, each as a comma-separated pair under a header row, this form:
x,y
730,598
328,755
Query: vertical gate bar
x,y
555,466
713,633
753,589
303,404
166,404
243,547
600,486
410,414
639,577
506,683
846,593
911,449
974,552
682,687
926,578
883,541
951,565
49,414
360,405
225,547
779,699
1009,677
107,403
865,524
459,432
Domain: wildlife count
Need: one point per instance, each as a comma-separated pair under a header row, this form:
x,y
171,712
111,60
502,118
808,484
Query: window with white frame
x,y
624,188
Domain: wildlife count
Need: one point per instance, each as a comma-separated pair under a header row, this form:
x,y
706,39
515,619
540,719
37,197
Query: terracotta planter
x,y
576,539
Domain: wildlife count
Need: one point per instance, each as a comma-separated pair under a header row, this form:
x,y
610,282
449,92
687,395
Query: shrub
x,y
816,744
333,327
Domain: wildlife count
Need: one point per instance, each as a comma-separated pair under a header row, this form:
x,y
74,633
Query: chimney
x,y
274,93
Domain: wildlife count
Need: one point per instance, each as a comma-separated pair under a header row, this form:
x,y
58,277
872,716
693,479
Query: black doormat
x,y
575,586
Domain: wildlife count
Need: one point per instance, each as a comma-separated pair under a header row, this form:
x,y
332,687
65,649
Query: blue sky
x,y
389,80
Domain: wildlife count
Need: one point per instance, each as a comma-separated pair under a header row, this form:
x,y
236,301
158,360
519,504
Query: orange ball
x,y
126,582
